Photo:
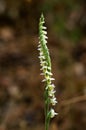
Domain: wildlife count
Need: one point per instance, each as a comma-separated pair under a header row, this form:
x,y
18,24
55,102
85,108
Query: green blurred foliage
x,y
68,17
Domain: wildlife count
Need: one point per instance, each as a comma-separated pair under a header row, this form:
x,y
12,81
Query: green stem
x,y
47,118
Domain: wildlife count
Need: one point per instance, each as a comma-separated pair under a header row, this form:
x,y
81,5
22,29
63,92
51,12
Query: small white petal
x,y
51,87
43,80
53,113
49,73
43,27
39,49
44,32
44,40
42,22
44,67
53,101
42,74
41,53
51,92
52,79
41,57
45,37
42,62
39,45
49,68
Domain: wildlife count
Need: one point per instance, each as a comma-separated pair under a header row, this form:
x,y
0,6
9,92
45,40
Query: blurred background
x,y
21,90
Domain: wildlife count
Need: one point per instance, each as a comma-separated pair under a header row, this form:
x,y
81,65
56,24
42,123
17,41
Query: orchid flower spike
x,y
45,63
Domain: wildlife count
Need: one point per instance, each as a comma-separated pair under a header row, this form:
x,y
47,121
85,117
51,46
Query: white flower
x,y
44,32
41,57
51,93
53,113
48,73
53,101
43,27
43,62
43,68
52,79
51,87
49,68
45,37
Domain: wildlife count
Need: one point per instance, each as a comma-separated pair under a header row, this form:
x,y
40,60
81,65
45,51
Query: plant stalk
x,y
47,118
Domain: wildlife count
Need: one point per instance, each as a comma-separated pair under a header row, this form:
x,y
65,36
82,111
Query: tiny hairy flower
x,y
53,113
51,87
51,93
53,101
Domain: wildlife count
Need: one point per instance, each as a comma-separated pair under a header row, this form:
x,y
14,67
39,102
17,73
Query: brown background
x,y
21,90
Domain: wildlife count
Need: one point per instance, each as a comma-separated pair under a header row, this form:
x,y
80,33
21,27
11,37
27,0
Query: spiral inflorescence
x,y
45,63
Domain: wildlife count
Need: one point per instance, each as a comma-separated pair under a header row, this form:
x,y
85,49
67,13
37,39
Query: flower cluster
x,y
45,63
